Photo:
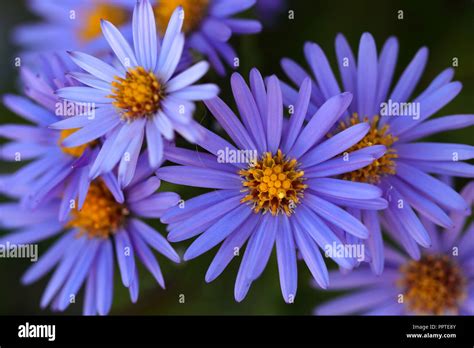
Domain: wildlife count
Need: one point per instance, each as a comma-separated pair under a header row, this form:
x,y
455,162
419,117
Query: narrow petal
x,y
125,256
286,257
105,278
78,274
199,177
335,145
440,124
230,123
347,65
336,215
118,44
248,111
431,187
410,77
311,256
375,241
297,119
386,68
366,76
321,123
147,258
144,35
358,301
187,77
233,242
218,232
422,204
154,239
344,188
435,151
274,117
95,66
322,70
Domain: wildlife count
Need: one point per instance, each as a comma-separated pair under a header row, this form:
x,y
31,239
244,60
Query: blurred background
x,y
446,27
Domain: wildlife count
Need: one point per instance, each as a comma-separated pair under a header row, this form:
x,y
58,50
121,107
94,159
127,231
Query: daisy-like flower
x,y
72,25
53,168
83,254
440,282
271,186
138,100
208,25
396,121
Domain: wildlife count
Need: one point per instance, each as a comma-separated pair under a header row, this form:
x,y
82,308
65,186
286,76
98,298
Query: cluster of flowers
x,y
327,176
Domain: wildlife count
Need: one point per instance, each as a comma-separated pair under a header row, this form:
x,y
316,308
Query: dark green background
x,y
445,26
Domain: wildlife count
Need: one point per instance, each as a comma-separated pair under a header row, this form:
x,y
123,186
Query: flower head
x,y
83,254
138,100
271,185
397,120
53,168
440,282
72,26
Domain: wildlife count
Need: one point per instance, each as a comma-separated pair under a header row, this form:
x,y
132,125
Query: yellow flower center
x,y
90,28
194,12
75,151
100,215
273,184
138,94
376,136
433,285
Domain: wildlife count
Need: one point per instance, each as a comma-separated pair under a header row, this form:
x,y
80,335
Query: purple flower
x,y
84,253
53,168
397,121
208,25
271,185
72,25
138,99
440,282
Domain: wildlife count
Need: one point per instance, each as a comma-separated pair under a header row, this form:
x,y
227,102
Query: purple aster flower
x,y
72,25
139,99
440,282
83,254
397,121
271,186
53,169
208,25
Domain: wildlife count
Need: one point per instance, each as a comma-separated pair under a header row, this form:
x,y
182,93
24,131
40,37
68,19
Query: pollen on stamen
x,y
101,215
433,285
273,184
137,95
384,165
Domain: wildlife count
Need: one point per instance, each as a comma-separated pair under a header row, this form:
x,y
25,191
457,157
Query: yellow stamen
x,y
100,215
376,136
273,184
90,28
433,285
75,151
194,12
138,94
